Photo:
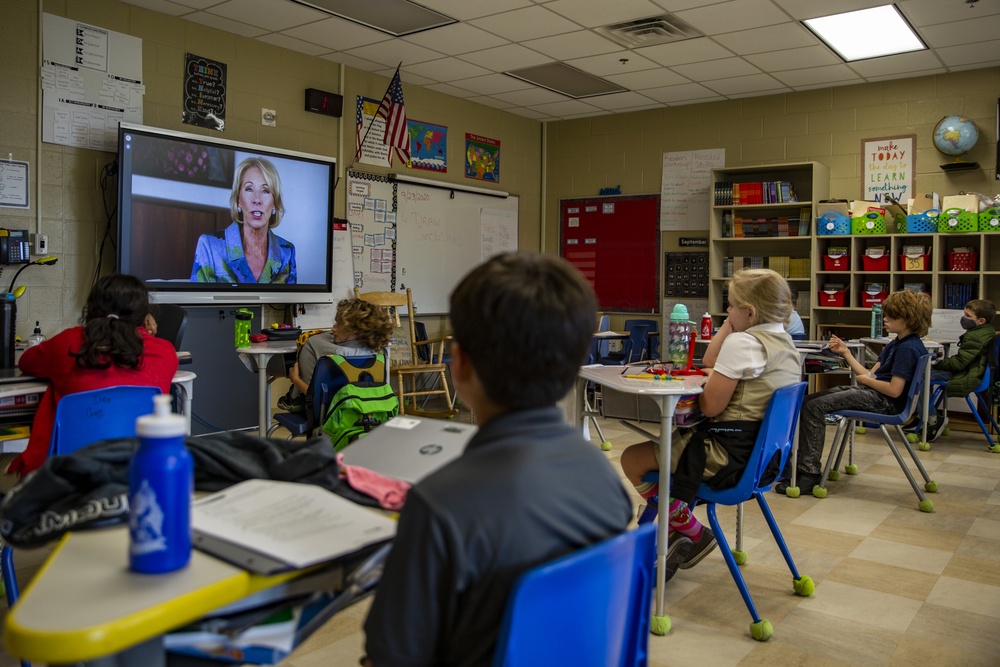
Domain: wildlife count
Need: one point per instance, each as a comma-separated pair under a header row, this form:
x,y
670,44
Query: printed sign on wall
x,y
887,166
482,158
204,92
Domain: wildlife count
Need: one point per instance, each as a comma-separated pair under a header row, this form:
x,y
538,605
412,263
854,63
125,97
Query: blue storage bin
x,y
832,224
923,223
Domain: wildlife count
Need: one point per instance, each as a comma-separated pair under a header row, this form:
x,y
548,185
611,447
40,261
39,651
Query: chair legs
x,y
837,452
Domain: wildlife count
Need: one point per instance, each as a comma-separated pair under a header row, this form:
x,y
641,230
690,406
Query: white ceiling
x,y
750,48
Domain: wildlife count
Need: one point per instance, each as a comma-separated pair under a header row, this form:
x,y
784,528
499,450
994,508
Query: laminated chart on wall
x,y
615,243
91,82
685,180
371,213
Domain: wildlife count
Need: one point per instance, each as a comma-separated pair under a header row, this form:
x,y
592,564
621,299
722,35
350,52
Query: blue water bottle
x,y
161,481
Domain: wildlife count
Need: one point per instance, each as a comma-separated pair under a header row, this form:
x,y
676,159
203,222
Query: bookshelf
x,y
775,233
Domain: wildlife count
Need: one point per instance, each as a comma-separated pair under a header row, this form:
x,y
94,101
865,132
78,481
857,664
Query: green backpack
x,y
365,402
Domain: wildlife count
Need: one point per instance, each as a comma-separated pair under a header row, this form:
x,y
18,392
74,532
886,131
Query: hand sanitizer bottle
x,y
161,481
36,336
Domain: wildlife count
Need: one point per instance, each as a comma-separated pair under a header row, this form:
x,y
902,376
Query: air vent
x,y
649,31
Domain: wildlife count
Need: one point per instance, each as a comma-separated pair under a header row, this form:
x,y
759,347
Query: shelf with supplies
x,y
775,231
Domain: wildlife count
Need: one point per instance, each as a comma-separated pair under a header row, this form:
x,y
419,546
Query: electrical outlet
x,y
41,244
269,117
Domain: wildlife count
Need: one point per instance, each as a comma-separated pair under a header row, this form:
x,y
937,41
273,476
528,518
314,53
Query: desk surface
x,y
85,603
612,377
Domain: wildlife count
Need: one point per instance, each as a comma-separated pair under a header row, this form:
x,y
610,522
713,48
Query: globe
x,y
955,135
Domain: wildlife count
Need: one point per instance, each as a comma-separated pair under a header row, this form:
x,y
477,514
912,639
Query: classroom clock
x,y
321,101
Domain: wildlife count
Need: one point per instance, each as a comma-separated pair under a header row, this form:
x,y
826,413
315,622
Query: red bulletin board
x,y
615,242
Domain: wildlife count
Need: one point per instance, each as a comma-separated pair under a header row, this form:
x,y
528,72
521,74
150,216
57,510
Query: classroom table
x,y
607,335
255,358
666,393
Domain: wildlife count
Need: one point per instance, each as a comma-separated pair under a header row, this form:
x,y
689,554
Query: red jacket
x,y
52,360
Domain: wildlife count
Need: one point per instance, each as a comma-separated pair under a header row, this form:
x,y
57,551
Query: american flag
x,y
396,134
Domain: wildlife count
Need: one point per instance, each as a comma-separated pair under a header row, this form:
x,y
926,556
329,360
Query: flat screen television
x,y
186,204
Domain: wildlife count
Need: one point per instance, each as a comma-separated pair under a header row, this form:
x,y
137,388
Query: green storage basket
x,y
958,220
869,223
989,220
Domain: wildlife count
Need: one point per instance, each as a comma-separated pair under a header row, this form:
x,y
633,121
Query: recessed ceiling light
x,y
565,80
866,33
395,17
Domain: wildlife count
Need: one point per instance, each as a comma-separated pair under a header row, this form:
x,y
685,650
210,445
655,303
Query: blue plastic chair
x,y
633,350
981,392
82,419
652,349
589,608
852,418
326,380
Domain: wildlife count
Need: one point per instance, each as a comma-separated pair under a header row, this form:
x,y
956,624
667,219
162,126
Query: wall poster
x,y
428,146
887,165
482,158
204,93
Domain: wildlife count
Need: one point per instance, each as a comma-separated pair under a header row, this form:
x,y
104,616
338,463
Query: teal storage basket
x,y
832,224
923,223
989,220
869,223
958,220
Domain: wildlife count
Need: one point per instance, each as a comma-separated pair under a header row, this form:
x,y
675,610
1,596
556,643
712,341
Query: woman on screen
x,y
247,251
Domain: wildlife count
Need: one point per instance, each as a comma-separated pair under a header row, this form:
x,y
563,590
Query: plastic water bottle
x,y
161,481
36,336
876,321
706,327
679,336
243,319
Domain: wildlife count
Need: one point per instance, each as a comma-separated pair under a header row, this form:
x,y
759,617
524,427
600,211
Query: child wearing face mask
x,y
963,371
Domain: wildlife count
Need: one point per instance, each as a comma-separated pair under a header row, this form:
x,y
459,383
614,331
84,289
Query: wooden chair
x,y
408,372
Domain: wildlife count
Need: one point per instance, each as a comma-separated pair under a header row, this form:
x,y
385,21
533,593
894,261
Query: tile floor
x,y
894,586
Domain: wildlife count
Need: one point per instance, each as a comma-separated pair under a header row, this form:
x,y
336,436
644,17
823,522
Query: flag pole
x,y
361,145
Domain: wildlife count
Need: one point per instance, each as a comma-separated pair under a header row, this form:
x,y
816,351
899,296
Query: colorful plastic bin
x,y
869,223
869,299
915,262
878,262
958,220
963,261
923,223
989,220
833,298
836,262
833,224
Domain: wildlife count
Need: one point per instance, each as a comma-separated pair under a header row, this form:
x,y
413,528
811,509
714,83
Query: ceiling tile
x,y
898,64
337,34
810,9
970,54
687,51
716,69
957,33
446,69
448,89
628,100
758,40
530,113
267,14
393,52
492,83
161,6
611,63
813,75
931,12
356,63
490,102
895,77
506,58
197,4
810,56
463,10
595,13
743,84
228,25
531,96
292,44
574,45
651,78
456,38
528,23
686,91
564,107
733,16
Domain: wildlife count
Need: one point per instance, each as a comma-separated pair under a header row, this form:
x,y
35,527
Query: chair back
x,y
171,323
635,345
916,388
392,302
774,438
654,325
589,608
327,379
88,416
797,336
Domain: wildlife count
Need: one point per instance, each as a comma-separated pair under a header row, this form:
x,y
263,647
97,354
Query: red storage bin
x,y
880,263
963,261
914,262
841,263
833,297
869,299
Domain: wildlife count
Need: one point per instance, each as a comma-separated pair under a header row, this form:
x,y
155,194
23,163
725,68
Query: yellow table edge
x,y
91,642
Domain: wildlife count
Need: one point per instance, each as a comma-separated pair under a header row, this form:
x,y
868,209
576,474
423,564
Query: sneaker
x,y
292,404
678,552
701,548
805,481
937,427
833,419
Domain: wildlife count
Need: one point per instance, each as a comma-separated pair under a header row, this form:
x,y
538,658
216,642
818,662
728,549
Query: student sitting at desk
x,y
883,390
749,358
359,329
964,370
528,487
113,347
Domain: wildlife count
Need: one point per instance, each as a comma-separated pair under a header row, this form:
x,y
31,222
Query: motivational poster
x,y
887,168
204,92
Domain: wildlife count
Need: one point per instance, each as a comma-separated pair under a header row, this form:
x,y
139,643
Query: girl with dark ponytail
x,y
114,346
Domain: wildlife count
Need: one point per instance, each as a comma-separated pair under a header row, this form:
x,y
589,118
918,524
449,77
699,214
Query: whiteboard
x,y
425,238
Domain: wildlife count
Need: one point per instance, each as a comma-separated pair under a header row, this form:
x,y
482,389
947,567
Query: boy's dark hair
x,y
912,307
526,321
983,308
116,307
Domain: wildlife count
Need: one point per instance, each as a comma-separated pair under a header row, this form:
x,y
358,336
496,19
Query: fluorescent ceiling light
x,y
565,80
395,17
866,33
